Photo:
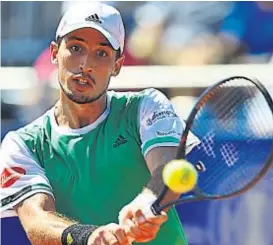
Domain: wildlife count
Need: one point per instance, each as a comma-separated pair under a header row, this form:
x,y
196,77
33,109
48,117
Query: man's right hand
x,y
111,234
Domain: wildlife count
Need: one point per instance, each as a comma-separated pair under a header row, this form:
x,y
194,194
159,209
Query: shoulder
x,y
11,142
14,150
29,136
150,94
155,105
35,127
153,96
141,103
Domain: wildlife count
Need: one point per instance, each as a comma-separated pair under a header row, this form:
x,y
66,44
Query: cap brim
x,y
112,40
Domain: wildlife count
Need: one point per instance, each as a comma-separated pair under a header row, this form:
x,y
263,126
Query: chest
x,y
93,156
92,170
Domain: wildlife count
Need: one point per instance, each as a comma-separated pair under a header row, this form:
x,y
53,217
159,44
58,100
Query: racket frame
x,y
181,152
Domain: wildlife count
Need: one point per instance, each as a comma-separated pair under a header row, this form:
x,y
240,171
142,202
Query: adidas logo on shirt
x,y
93,17
120,141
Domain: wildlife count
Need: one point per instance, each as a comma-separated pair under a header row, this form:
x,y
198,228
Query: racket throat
x,y
156,208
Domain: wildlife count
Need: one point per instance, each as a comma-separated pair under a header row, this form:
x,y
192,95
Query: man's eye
x,y
102,53
76,48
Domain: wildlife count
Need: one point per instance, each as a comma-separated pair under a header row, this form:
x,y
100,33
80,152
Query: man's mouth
x,y
84,80
81,82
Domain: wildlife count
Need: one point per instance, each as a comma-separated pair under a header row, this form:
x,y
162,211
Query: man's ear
x,y
53,52
118,65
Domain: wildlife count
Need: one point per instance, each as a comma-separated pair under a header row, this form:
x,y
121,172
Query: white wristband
x,y
144,198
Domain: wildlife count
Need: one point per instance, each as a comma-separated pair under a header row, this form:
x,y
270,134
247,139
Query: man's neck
x,y
72,115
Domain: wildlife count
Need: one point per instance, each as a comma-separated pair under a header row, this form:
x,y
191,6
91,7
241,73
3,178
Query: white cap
x,y
102,17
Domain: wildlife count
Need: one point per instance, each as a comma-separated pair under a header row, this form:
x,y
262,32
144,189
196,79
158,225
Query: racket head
x,y
234,121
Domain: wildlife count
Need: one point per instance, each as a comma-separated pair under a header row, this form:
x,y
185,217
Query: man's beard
x,y
82,99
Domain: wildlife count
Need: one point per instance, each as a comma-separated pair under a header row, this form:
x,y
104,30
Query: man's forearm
x,y
47,228
43,225
156,183
156,160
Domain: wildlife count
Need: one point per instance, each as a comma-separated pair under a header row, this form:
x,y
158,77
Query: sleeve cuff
x,y
159,141
10,201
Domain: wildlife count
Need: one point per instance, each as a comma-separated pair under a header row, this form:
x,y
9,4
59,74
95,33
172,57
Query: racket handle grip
x,y
151,211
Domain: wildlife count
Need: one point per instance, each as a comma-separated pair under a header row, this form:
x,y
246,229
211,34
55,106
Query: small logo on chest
x,y
120,141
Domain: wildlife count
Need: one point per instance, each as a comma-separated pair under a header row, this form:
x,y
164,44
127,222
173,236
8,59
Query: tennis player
x,y
95,158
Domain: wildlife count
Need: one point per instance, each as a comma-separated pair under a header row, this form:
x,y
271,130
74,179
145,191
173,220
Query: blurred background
x,y
179,48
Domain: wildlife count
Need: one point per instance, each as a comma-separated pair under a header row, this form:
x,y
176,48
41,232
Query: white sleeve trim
x,y
159,145
25,196
19,169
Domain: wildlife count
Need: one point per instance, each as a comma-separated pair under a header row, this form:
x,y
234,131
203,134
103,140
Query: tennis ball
x,y
180,176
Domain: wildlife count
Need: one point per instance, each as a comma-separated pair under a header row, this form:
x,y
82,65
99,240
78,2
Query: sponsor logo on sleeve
x,y
166,133
159,115
10,175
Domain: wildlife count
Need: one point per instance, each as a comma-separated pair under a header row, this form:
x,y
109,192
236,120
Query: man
x,y
96,157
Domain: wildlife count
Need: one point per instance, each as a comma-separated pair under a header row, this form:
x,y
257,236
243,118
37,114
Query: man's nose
x,y
84,68
86,64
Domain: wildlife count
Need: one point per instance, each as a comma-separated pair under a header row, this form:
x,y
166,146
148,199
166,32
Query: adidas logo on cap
x,y
93,17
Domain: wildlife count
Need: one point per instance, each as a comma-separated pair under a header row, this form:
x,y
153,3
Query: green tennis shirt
x,y
92,172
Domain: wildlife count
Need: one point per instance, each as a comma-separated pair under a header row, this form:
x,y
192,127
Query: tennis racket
x,y
233,120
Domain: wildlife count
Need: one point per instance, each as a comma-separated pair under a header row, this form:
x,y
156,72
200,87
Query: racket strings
x,y
254,109
244,172
259,127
